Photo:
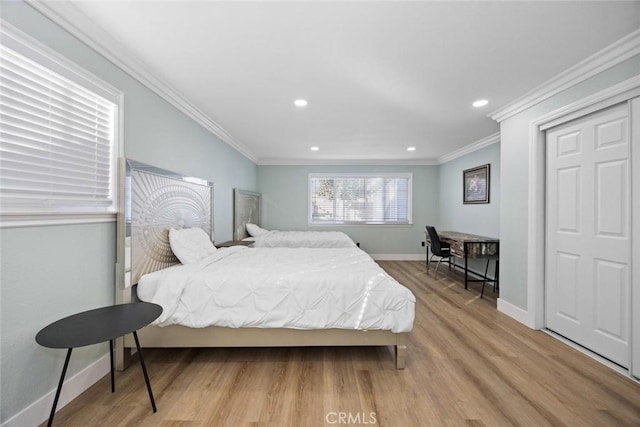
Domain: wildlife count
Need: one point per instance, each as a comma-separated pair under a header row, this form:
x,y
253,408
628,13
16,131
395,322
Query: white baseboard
x,y
515,312
399,257
38,412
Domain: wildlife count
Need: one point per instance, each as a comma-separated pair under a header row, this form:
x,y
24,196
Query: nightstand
x,y
96,326
234,243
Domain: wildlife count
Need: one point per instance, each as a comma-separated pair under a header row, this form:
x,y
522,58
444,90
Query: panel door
x,y
588,254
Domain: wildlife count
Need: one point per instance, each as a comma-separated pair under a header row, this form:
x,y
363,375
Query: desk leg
x,y
427,249
466,269
55,401
497,282
484,281
144,371
113,380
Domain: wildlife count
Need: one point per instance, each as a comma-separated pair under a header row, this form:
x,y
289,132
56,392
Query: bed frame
x,y
155,200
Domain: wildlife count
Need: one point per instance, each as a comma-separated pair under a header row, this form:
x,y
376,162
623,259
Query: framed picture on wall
x,y
475,185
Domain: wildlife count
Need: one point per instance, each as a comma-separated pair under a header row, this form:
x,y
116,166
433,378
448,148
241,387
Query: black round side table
x,y
96,326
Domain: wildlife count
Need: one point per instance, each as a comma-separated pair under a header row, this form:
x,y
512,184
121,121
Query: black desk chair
x,y
438,248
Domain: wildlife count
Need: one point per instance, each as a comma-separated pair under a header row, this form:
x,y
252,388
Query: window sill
x,y
38,220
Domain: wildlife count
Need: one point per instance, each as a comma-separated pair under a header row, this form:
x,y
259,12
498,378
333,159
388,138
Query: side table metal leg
x,y
113,380
55,401
144,371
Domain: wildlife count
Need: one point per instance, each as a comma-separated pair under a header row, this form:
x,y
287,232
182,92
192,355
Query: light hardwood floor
x,y
467,364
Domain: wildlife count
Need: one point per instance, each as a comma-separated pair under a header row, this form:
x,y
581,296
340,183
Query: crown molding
x,y
608,57
346,162
76,23
475,146
478,145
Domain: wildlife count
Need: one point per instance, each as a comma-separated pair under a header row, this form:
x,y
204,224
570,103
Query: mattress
x,y
301,288
303,239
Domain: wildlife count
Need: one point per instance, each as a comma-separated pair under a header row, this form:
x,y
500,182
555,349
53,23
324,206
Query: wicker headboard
x,y
155,201
246,210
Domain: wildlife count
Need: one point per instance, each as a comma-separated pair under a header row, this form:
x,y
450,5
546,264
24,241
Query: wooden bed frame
x,y
213,336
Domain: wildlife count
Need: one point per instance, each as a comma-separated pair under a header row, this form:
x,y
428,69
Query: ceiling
x,y
378,76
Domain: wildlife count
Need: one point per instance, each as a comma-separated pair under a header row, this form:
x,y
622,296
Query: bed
x,y
159,200
262,238
246,226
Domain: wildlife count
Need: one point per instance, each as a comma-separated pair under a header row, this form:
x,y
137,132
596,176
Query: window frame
x,y
355,175
40,53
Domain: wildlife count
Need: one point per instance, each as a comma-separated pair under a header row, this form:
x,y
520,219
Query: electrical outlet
x,y
422,243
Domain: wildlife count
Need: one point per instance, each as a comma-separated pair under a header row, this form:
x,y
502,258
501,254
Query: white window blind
x,y
57,140
360,199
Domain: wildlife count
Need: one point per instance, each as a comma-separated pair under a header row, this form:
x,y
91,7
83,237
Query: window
x,y
352,199
58,134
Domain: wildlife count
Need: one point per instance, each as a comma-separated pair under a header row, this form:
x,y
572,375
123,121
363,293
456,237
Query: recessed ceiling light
x,y
300,102
315,148
411,148
480,103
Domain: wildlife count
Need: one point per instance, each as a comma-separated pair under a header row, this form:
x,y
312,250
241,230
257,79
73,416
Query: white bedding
x,y
303,239
281,288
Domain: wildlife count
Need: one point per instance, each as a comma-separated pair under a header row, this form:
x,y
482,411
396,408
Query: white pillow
x,y
190,244
255,230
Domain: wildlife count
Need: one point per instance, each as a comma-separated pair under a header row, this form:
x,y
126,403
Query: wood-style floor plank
x,y
467,365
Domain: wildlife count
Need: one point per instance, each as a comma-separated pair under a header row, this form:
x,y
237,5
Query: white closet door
x,y
588,256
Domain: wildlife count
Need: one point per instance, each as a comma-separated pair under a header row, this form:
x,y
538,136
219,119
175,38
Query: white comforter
x,y
303,239
281,288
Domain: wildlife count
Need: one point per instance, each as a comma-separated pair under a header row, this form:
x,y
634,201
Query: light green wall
x,y
49,272
170,140
514,214
481,219
285,198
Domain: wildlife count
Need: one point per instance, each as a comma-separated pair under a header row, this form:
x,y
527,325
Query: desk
x,y
471,246
96,326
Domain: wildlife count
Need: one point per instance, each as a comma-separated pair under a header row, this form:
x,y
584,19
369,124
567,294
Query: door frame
x,y
635,244
621,92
